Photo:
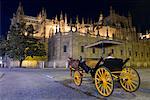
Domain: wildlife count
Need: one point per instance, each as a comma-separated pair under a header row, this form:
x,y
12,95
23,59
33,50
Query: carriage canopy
x,y
103,44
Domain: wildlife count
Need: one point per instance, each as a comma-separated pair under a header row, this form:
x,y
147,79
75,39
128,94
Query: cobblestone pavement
x,y
30,84
48,84
142,93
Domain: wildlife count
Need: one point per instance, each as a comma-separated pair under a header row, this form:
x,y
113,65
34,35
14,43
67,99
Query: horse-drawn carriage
x,y
105,71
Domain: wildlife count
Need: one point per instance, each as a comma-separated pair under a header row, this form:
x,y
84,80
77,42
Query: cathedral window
x,y
112,50
121,52
135,53
129,53
113,36
65,48
142,54
93,50
147,54
82,48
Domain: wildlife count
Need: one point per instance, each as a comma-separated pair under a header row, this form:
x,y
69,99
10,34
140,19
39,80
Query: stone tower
x,y
129,19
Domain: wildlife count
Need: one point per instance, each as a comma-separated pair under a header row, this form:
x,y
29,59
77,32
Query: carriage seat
x,y
113,64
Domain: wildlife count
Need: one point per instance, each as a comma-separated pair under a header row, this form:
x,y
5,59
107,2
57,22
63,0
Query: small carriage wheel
x,y
77,78
129,79
104,81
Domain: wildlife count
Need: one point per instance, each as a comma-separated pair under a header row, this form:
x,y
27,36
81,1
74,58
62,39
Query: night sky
x,y
140,10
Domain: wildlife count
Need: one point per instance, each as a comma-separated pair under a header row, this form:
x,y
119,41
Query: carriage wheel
x,y
104,81
77,78
129,79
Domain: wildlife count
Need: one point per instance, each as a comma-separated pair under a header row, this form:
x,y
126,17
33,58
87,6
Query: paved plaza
x,y
56,84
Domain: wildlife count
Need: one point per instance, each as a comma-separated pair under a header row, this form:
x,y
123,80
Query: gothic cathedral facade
x,y
67,39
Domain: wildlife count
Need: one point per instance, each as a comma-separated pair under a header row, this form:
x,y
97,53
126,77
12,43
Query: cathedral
x,y
66,38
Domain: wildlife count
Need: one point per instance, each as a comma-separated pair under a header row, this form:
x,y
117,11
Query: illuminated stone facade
x,y
71,45
145,36
48,27
67,39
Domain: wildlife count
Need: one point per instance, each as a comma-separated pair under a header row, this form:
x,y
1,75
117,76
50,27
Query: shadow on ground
x,y
88,88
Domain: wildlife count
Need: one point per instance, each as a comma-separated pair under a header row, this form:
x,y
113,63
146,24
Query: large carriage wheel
x,y
104,81
77,78
129,79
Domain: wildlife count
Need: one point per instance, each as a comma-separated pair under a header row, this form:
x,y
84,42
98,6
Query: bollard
x,y
54,64
66,65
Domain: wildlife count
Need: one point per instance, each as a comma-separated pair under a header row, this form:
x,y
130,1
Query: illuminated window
x,y
82,48
65,48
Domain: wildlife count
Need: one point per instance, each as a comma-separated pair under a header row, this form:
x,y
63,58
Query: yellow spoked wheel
x,y
77,78
129,79
104,81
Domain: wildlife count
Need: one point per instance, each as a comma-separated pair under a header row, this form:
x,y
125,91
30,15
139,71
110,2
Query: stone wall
x,y
137,51
57,64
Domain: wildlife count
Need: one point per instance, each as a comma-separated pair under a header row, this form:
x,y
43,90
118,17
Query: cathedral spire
x,y
91,21
101,18
56,18
77,19
147,32
20,10
82,21
61,15
111,10
44,14
39,15
70,21
129,19
65,18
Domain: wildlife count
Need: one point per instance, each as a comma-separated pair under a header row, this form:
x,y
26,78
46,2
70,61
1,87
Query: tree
x,y
21,43
2,47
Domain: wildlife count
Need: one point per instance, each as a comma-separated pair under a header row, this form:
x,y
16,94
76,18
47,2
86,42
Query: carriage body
x,y
114,64
105,71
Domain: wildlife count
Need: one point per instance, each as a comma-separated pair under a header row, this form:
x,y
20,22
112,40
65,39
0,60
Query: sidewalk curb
x,y
1,75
